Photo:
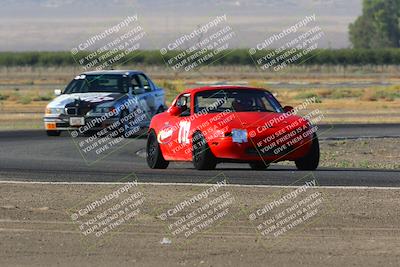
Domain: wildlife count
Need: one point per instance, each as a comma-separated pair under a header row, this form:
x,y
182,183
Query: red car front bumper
x,y
225,149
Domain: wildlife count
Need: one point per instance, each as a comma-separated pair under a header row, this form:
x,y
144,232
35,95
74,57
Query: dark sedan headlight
x,y
101,110
54,111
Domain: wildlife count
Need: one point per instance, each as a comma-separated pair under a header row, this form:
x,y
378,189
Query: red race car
x,y
209,125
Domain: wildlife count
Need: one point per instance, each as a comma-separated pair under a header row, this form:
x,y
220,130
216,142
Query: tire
x,y
310,161
124,124
258,165
154,157
160,110
202,157
53,133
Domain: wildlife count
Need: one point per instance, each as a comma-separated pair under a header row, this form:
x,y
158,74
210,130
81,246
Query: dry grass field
x,y
343,95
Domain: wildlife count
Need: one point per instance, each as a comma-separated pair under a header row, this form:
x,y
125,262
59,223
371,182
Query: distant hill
x,y
61,24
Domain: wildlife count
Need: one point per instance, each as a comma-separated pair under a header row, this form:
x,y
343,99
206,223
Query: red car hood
x,y
252,120
256,119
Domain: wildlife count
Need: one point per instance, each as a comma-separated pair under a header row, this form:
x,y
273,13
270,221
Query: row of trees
x,y
375,36
236,57
378,26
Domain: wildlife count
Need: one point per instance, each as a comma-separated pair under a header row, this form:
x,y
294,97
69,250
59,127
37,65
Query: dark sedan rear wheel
x,y
53,133
160,110
310,161
259,165
203,158
155,159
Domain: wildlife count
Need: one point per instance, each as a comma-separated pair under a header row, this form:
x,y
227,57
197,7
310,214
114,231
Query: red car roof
x,y
219,87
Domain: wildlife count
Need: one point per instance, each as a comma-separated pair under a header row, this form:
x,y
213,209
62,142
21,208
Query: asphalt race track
x,y
32,156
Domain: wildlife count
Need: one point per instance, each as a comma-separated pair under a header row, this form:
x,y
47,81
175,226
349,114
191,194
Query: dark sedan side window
x,y
135,82
145,83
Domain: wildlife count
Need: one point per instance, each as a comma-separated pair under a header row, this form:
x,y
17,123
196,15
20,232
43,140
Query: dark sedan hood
x,y
87,100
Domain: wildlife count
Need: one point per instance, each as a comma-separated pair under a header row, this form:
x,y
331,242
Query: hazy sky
x,y
61,25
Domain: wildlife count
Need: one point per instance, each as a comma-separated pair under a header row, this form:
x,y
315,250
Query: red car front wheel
x,y
310,161
203,158
155,159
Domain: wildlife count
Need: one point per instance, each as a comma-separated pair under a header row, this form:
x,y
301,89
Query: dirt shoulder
x,y
365,153
361,153
46,224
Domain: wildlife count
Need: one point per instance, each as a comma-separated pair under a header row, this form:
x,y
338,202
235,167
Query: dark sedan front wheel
x,y
124,130
155,159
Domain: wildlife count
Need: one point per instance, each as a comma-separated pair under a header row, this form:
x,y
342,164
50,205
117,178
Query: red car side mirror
x,y
287,109
175,111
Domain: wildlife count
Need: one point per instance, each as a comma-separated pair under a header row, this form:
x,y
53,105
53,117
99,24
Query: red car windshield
x,y
236,100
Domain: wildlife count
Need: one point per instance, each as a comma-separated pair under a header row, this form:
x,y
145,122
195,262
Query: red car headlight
x,y
239,135
219,134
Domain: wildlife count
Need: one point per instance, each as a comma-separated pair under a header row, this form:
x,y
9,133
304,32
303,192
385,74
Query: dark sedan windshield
x,y
237,100
97,83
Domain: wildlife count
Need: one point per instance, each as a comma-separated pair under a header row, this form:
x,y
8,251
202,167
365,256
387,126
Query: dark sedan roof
x,y
116,72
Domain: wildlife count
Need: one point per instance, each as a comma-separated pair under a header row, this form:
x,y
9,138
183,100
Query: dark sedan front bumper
x,y
63,123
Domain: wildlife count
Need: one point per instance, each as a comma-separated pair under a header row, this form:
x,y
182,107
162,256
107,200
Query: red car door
x,y
179,146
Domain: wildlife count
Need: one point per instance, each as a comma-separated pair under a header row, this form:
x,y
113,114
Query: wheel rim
x,y
125,122
151,150
197,149
197,156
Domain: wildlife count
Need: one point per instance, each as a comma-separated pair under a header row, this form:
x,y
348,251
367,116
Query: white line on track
x,y
201,185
